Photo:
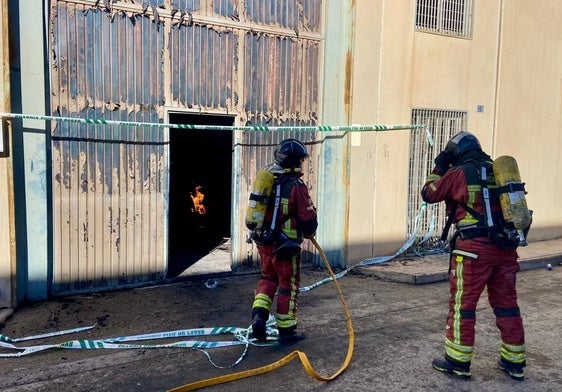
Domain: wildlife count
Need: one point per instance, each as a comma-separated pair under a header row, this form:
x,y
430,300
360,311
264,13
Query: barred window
x,y
450,17
441,125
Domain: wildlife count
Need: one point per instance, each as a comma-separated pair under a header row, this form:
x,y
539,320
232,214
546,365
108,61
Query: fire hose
x,y
295,354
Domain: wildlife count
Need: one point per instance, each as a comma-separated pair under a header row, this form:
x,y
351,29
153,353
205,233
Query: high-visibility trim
x,y
458,352
285,206
513,353
464,253
289,319
286,320
473,191
294,287
262,301
456,324
468,220
291,233
433,177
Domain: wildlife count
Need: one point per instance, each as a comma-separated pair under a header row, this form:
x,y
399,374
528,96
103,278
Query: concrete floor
x,y
398,329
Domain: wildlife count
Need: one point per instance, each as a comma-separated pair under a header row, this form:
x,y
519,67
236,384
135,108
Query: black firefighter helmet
x,y
460,144
289,153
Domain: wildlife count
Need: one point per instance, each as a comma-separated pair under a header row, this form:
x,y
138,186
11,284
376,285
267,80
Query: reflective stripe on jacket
x,y
297,215
461,185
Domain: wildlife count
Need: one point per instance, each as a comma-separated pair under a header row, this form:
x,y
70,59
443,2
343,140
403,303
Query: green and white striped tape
x,y
318,128
241,335
380,259
4,338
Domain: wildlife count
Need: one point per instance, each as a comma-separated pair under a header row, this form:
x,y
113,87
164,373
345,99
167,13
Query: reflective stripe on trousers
x,y
475,267
283,277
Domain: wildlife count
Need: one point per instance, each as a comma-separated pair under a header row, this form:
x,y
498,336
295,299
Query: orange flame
x,y
197,197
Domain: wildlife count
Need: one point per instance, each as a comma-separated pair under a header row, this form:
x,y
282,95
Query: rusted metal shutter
x,y
134,61
108,185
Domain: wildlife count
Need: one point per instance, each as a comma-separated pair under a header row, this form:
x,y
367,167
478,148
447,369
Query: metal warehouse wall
x,y
134,61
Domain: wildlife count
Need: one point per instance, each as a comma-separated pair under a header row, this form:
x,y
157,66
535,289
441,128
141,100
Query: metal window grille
x,y
442,125
449,17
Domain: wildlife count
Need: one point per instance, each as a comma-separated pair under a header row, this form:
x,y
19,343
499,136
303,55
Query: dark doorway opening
x,y
200,189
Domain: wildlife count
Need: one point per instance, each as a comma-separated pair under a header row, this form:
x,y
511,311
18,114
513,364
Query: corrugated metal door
x,y
136,60
109,187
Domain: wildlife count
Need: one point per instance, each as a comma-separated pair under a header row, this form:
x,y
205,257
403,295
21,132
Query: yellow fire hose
x,y
302,356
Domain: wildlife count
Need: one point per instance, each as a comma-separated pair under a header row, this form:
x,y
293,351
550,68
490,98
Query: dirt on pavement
x,y
399,328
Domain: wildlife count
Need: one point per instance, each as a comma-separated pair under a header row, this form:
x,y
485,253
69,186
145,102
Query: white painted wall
x,y
512,66
529,106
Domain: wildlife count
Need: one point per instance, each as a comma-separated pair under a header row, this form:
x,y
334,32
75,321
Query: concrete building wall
x,y
28,153
510,69
529,105
381,95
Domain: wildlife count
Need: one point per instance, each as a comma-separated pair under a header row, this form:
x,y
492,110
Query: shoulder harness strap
x,y
279,184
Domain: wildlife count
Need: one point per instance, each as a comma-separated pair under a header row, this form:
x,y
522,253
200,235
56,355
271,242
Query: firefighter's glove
x,y
309,236
442,163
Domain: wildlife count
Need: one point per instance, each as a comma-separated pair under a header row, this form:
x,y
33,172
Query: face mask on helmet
x,y
289,153
460,144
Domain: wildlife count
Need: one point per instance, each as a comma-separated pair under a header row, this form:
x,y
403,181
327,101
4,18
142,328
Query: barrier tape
x,y
240,333
375,260
318,128
117,342
4,338
295,354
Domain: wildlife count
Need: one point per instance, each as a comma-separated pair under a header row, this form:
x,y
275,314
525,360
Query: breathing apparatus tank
x,y
259,199
511,192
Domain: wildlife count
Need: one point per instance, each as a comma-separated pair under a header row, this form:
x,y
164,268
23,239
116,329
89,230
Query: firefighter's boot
x,y
290,335
259,319
513,370
450,366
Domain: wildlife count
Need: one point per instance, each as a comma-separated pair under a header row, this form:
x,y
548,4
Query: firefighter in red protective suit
x,y
293,215
476,261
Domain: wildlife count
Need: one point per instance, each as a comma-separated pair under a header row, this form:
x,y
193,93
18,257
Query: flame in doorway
x,y
198,197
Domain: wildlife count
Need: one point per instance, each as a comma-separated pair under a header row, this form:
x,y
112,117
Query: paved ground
x,y
398,329
434,268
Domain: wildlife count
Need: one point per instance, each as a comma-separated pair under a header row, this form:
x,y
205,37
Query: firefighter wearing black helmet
x,y
476,261
291,215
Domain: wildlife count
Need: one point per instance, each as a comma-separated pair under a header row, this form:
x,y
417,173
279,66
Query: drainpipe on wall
x,y
333,180
30,93
497,87
7,221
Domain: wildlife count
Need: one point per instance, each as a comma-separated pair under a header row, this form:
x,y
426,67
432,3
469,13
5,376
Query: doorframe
x,y
234,162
